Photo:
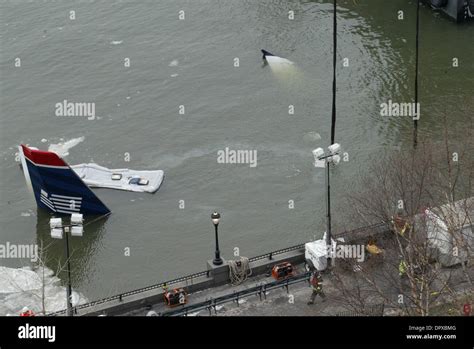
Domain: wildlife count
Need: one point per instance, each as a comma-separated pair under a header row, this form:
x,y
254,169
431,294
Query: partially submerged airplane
x,y
273,60
60,188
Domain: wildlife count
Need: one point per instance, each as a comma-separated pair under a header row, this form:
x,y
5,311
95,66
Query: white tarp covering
x,y
449,231
316,252
122,179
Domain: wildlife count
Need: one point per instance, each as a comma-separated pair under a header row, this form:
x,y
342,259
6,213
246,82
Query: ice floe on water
x,y
311,137
294,172
173,63
62,148
20,287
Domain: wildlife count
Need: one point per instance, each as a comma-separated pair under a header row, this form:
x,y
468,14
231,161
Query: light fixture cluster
x,y
75,227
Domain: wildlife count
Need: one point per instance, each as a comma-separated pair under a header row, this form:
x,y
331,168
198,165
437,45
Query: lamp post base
x,y
217,261
220,273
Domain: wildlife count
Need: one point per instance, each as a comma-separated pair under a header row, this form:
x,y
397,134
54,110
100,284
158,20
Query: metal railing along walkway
x,y
259,290
190,278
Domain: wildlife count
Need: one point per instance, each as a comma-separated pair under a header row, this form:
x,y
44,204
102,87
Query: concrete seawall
x,y
217,277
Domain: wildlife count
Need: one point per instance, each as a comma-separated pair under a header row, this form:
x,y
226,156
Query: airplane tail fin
x,y
266,53
56,187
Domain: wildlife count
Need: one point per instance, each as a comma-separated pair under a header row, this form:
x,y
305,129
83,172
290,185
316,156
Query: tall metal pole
x,y
69,288
334,62
333,130
415,119
328,207
217,259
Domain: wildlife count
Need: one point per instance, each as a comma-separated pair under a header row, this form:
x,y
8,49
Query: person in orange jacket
x,y
316,282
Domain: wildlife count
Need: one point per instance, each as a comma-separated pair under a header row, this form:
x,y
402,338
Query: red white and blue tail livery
x,y
56,187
